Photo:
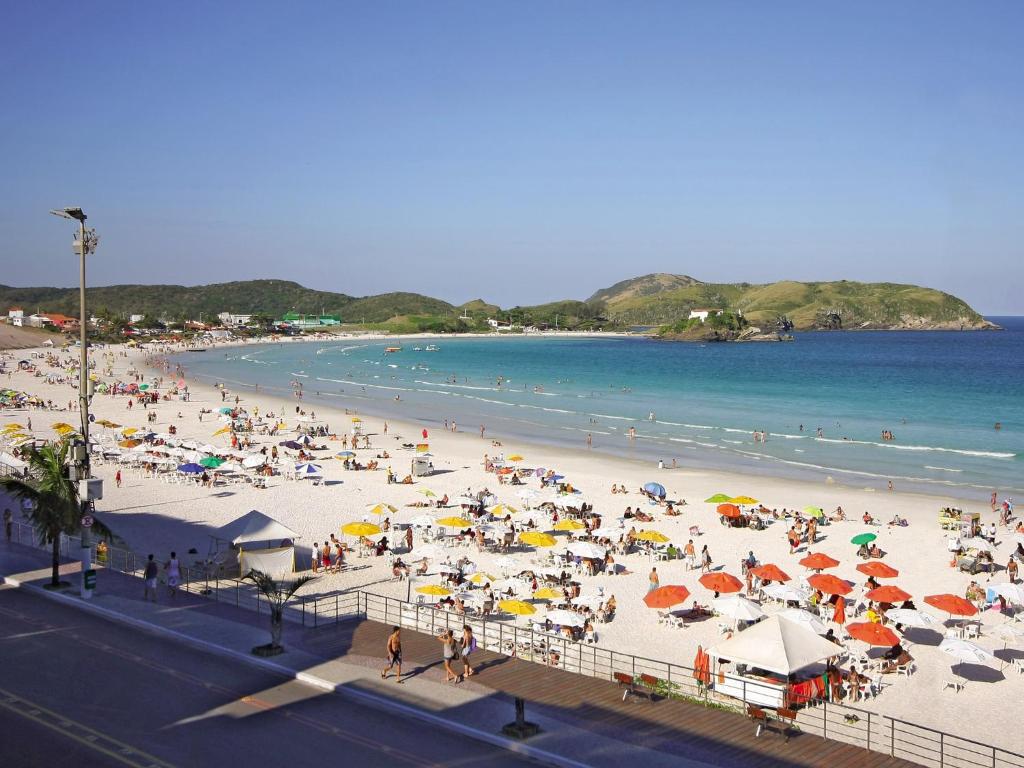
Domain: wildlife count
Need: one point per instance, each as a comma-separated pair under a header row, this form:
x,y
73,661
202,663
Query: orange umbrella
x,y
829,584
872,634
721,582
770,572
839,615
728,510
818,561
702,667
953,604
667,596
888,594
878,569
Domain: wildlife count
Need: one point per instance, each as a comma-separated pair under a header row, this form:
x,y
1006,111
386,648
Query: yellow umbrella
x,y
455,522
481,578
222,431
108,424
569,525
537,539
380,508
517,607
547,593
129,431
500,510
433,589
743,500
59,425
426,492
515,457
655,536
356,420
360,529
282,425
13,427
129,443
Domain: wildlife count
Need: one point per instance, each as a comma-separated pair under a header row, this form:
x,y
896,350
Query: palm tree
x,y
277,593
53,506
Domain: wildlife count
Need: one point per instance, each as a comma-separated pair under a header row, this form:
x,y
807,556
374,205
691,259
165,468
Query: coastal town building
x,y
229,319
703,314
303,321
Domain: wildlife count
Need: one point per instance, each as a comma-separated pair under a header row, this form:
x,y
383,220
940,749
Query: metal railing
x,y
832,720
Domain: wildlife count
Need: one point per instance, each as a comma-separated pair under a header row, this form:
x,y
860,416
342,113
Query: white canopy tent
x,y
252,534
776,645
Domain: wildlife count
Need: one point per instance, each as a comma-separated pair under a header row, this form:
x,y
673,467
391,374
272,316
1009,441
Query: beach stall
x,y
261,543
775,663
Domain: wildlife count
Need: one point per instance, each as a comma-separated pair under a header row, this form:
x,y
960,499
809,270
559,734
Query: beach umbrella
x,y
207,448
422,447
256,460
211,462
224,409
805,618
1010,630
655,489
609,532
500,510
888,594
422,521
863,538
978,543
878,569
586,549
537,539
728,510
304,440
872,634
738,607
433,589
569,525
951,604
13,427
667,596
191,445
564,618
482,577
829,584
718,498
1013,593
743,500
517,607
360,529
356,420
721,582
381,507
965,652
221,431
61,426
231,466
548,593
290,444
818,561
814,511
454,522
307,469
653,536
590,601
770,572
911,617
344,455
506,563
467,501
426,492
129,431
129,443
515,457
191,469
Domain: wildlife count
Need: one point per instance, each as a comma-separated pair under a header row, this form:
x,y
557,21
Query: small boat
x,y
417,349
392,349
433,348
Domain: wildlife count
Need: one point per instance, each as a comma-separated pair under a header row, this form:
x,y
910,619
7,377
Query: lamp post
x,y
84,245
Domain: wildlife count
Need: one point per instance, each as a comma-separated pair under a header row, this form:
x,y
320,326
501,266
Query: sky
x,y
518,152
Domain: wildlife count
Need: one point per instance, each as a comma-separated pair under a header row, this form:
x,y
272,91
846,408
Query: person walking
x,y
315,557
117,478
468,646
705,560
654,581
149,578
173,568
394,655
1011,568
408,539
690,553
449,651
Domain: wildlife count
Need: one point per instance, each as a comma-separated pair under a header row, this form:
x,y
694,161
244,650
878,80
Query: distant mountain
x,y
647,285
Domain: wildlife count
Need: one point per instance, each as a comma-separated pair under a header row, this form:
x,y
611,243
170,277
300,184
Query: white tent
x,y
258,529
776,645
12,461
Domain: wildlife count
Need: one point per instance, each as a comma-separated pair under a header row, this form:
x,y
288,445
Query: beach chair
x,y
957,684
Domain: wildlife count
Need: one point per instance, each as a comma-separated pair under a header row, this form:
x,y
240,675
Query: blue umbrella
x,y
290,444
656,489
307,469
191,469
225,410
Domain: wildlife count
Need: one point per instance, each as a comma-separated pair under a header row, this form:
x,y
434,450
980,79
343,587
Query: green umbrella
x,y
211,462
143,387
814,511
718,498
863,538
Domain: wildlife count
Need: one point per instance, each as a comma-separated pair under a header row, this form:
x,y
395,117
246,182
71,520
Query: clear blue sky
x,y
517,151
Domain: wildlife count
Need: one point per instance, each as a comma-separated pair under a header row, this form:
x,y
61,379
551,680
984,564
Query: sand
x,y
155,517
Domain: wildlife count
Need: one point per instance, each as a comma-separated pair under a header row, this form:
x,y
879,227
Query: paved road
x,y
76,690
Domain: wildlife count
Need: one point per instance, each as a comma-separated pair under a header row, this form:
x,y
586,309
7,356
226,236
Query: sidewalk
x,y
470,709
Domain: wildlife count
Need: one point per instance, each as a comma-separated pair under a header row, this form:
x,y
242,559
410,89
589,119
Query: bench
x,y
625,680
759,717
652,684
787,717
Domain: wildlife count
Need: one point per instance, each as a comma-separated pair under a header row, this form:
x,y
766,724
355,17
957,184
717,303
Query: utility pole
x,y
83,246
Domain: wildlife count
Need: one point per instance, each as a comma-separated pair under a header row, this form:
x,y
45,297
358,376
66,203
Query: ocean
x,y
939,393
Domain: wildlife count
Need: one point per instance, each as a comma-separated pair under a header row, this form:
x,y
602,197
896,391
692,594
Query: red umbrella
x,y
770,572
888,594
721,582
728,510
839,616
953,604
872,634
829,584
818,561
702,667
878,569
667,596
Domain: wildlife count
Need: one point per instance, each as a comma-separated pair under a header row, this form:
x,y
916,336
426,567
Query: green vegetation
x,y
713,325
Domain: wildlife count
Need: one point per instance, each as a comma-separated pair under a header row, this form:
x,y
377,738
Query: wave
x,y
300,375
895,446
607,416
458,386
942,469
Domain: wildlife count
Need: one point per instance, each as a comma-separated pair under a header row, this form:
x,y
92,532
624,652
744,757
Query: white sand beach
x,y
153,516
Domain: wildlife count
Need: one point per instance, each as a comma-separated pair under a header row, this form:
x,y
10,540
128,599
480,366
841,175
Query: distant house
x,y
703,313
498,325
135,318
63,322
16,316
305,322
230,320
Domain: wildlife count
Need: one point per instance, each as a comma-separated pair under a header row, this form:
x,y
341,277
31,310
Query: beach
x,y
151,516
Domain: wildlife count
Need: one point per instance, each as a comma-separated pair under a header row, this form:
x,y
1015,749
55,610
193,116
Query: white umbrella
x,y
784,592
422,521
911,617
609,532
565,618
466,501
506,563
230,466
588,601
190,444
1010,630
806,618
738,607
965,651
173,451
256,460
193,457
307,470
586,549
978,543
447,568
1014,593
207,448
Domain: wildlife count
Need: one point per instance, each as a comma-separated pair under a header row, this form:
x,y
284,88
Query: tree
x,y
278,593
53,505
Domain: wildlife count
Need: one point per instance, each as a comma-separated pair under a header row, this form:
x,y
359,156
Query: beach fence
x,y
832,720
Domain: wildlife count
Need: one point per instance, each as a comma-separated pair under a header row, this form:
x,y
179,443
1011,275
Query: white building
x,y
135,318
16,316
229,319
703,314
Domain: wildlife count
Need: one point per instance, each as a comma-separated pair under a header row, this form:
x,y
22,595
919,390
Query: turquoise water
x,y
939,393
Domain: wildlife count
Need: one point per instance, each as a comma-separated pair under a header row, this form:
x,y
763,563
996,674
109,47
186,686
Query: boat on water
x,y
392,349
417,349
433,348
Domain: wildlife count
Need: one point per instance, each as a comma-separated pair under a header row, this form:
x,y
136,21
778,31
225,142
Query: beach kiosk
x,y
776,663
261,543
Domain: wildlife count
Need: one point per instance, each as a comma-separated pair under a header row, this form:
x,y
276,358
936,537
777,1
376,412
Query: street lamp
x,y
83,246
